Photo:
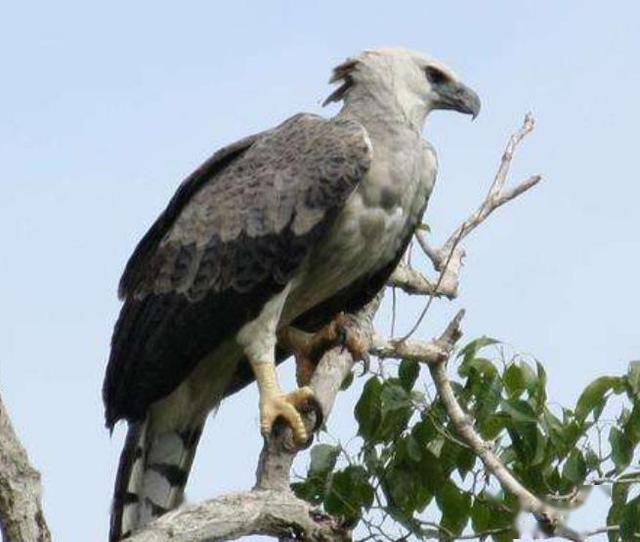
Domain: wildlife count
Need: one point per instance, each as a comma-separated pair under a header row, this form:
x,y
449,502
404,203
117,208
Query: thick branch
x,y
21,517
265,512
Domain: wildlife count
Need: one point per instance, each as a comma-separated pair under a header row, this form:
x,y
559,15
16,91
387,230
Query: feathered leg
x,y
258,341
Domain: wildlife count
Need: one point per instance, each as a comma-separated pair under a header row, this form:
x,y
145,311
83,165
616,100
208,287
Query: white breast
x,y
369,231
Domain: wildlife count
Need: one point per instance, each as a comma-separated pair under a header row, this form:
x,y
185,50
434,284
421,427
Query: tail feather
x,y
152,475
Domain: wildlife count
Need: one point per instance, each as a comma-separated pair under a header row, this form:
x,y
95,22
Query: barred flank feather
x,y
151,477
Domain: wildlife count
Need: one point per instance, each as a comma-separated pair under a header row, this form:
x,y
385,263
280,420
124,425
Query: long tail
x,y
151,477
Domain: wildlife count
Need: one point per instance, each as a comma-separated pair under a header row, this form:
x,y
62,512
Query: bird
x,y
278,235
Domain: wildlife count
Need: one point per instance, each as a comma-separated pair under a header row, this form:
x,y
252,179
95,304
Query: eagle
x,y
275,237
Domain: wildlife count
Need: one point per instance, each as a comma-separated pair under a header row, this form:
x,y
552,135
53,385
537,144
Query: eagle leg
x,y
308,348
275,404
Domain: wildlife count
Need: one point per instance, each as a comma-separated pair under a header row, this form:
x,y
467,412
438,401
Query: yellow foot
x,y
308,348
280,405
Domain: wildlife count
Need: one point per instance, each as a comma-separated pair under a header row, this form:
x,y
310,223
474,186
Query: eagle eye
x,y
436,76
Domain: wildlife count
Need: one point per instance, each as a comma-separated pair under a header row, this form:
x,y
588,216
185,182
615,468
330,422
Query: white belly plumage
x,y
362,240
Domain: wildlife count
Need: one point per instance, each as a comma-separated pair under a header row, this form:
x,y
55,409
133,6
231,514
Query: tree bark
x,y
21,516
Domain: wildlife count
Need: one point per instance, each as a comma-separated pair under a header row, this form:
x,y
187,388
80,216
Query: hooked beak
x,y
458,97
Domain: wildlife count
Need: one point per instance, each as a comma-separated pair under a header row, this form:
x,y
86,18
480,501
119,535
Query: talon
x,y
353,342
285,406
309,348
366,363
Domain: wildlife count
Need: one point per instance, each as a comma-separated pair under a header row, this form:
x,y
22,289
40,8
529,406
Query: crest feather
x,y
342,72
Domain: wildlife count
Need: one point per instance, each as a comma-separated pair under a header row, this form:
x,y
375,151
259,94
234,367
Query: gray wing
x,y
233,238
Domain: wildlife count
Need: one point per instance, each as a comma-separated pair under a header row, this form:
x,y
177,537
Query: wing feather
x,y
233,236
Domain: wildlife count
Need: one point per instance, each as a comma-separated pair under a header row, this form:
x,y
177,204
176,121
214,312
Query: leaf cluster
x,y
414,476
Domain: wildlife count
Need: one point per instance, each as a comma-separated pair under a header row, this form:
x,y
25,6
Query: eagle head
x,y
416,83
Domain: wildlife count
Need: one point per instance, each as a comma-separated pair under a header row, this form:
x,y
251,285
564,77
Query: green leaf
x,y
575,468
474,346
404,490
350,492
466,460
514,380
455,506
393,397
424,431
408,373
591,459
519,410
619,495
487,392
501,515
621,449
593,397
556,431
529,375
414,449
633,377
528,442
481,366
480,515
630,520
430,472
367,410
323,460
396,410
491,426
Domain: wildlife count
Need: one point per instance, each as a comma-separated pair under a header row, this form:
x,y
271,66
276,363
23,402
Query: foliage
x,y
412,477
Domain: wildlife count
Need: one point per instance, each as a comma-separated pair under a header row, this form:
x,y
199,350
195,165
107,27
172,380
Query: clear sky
x,y
105,107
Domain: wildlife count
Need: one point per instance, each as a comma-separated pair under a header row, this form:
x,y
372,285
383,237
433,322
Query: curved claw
x,y
313,405
366,363
285,406
352,341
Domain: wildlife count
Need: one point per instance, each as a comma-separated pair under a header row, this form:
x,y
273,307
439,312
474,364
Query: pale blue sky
x,y
105,107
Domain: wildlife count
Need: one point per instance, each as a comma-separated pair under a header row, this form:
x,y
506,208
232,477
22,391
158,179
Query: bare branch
x,y
265,512
413,282
496,197
415,350
21,516
600,530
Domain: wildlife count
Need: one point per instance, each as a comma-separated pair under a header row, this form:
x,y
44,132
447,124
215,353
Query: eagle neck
x,y
378,110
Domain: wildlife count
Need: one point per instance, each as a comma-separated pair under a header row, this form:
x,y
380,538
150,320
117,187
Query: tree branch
x,y
263,512
548,517
413,282
497,196
414,350
21,516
